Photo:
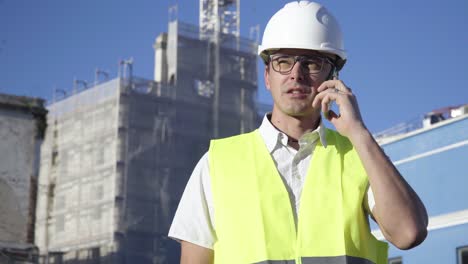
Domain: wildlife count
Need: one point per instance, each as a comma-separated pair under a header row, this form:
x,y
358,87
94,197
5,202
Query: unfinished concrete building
x,y
117,156
22,126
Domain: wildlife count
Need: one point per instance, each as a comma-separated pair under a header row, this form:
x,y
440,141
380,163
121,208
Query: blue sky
x,y
405,58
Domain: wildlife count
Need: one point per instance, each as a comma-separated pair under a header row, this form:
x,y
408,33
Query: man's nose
x,y
298,72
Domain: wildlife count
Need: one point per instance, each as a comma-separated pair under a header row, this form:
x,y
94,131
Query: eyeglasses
x,y
284,63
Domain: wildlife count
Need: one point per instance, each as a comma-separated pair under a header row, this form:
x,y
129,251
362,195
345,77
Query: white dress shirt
x,y
194,219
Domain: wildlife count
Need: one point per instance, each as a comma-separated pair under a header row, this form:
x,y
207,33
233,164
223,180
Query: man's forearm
x,y
398,210
194,254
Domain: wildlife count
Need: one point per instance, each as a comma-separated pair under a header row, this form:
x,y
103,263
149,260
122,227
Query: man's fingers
x,y
327,101
334,84
324,99
325,105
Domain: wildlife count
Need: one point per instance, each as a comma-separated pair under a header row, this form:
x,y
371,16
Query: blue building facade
x,y
434,161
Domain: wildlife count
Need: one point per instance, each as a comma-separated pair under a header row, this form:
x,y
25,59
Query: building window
x,y
462,253
60,223
60,202
100,155
95,255
397,260
98,192
96,213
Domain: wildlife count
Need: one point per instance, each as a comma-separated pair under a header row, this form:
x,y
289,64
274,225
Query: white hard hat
x,y
303,25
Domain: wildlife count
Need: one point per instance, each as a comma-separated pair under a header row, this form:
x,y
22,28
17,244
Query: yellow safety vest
x,y
253,216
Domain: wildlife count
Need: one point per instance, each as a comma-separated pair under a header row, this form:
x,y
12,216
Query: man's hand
x,y
398,210
349,121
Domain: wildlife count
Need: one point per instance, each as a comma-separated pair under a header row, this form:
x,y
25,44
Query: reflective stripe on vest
x,y
254,219
322,260
277,262
336,260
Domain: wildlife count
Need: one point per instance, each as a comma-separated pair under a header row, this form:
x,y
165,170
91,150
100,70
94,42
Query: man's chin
x,y
301,113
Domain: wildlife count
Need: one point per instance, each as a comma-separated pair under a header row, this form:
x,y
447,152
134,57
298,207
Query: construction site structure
x,y
219,16
117,156
22,126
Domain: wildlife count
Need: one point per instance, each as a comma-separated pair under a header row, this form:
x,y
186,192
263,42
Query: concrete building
x,y
22,126
117,156
432,155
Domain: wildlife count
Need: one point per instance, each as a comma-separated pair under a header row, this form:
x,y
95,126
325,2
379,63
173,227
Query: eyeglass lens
x,y
285,63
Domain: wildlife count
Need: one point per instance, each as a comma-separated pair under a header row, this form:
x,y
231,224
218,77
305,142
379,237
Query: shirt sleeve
x,y
193,220
369,202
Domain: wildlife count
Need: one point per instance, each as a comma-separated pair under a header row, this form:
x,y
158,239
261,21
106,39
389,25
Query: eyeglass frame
x,y
301,58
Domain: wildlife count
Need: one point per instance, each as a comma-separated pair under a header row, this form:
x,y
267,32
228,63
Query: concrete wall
x,y
22,124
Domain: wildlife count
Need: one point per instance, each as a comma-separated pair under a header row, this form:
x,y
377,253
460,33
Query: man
x,y
241,204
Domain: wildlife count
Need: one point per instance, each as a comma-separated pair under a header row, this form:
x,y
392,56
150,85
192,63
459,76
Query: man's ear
x,y
266,76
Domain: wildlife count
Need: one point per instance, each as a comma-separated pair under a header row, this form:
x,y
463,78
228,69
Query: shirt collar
x,y
272,136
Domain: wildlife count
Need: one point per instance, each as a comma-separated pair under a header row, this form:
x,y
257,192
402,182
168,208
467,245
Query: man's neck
x,y
295,126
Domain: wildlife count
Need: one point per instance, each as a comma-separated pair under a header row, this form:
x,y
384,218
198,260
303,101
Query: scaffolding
x,y
219,16
117,158
224,71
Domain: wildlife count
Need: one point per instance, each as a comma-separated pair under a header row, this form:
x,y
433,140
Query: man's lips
x,y
298,91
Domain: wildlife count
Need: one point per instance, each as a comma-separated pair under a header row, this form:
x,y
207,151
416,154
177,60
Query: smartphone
x,y
331,104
